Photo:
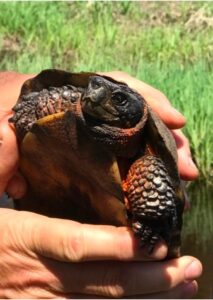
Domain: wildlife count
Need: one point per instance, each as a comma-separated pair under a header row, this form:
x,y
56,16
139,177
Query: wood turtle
x,y
92,150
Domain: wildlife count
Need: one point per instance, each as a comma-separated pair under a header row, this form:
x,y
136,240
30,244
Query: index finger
x,y
186,166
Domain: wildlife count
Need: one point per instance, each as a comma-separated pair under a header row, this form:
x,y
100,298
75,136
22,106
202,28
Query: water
x,y
198,236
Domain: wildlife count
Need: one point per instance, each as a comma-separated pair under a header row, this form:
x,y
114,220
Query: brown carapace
x,y
92,150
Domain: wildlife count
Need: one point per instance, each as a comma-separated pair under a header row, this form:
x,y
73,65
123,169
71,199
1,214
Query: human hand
x,y
39,260
44,257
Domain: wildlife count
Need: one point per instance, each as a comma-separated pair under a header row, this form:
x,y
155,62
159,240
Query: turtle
x,y
93,150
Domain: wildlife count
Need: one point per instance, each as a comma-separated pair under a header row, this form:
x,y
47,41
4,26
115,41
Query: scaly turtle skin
x,y
92,150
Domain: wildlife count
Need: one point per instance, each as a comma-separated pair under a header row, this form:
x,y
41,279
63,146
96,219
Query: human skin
x,y
47,257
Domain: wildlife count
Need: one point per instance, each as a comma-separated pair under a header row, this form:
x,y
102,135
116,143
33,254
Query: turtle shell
x,y
94,161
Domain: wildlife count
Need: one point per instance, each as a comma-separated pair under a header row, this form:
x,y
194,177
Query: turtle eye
x,y
120,98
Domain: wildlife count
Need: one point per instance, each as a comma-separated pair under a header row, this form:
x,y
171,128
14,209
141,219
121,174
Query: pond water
x,y
198,235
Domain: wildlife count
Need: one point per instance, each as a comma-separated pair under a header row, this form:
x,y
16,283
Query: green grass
x,y
167,44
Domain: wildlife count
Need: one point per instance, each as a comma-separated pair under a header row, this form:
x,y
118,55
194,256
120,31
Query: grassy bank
x,y
168,45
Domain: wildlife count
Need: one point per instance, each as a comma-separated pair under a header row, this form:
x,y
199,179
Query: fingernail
x,y
193,270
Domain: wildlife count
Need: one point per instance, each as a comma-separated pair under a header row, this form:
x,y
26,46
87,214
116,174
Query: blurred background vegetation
x,y
166,44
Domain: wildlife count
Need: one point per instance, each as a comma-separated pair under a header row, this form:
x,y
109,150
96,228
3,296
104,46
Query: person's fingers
x,y
71,241
186,166
156,99
8,153
182,291
118,277
121,279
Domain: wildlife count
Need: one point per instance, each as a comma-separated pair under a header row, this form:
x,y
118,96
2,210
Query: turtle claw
x,y
146,235
153,241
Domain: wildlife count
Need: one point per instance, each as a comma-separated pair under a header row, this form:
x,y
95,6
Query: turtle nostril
x,y
95,96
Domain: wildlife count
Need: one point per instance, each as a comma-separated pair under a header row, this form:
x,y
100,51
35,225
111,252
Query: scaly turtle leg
x,y
152,201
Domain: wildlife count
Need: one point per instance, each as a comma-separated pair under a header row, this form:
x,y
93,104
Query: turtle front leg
x,y
152,202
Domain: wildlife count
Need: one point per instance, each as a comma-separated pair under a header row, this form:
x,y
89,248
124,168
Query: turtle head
x,y
110,103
